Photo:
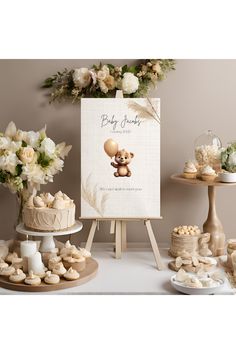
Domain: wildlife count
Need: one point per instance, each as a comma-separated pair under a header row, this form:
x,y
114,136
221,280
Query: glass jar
x,y
208,150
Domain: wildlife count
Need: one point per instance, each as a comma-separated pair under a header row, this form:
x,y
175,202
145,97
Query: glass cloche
x,y
208,150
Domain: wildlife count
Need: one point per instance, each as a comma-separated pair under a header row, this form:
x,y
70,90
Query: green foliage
x,y
62,86
3,176
44,160
24,144
18,170
225,158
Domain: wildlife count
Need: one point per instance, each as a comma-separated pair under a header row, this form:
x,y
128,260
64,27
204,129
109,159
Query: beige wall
x,y
199,95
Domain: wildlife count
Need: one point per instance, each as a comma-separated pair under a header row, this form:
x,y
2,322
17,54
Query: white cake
x,y
49,213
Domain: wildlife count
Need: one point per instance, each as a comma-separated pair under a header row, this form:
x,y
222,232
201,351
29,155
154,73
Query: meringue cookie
x,y
17,277
58,195
3,264
51,278
32,279
11,256
7,271
59,204
17,263
47,198
38,202
59,269
71,274
53,261
85,253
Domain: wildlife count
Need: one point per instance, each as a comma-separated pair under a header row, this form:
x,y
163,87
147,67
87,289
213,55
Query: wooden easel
x,y
118,227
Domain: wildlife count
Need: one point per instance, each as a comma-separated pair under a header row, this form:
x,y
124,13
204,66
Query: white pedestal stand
x,y
47,243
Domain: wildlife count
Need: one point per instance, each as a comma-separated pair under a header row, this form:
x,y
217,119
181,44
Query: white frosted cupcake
x,y
208,174
190,170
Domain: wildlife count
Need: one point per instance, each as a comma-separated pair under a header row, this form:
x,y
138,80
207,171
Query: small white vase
x,y
227,177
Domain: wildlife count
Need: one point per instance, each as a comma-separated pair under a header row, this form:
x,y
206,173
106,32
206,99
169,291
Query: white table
x,y
135,273
48,244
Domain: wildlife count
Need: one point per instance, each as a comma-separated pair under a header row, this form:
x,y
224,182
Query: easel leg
x,y
112,227
91,235
123,236
118,239
155,249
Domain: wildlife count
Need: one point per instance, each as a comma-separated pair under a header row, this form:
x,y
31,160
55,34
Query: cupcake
x,y
208,174
78,263
190,170
86,254
53,261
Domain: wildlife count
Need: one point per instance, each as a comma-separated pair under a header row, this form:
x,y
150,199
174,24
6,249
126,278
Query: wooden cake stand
x,y
212,223
48,245
86,275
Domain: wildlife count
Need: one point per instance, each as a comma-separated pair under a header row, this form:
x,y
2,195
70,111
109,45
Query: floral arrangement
x,y
228,158
29,159
103,80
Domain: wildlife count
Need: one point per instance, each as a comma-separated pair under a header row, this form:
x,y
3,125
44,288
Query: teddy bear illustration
x,y
122,158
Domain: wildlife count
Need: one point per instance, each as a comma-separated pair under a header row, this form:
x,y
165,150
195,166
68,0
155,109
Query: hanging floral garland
x,y
102,81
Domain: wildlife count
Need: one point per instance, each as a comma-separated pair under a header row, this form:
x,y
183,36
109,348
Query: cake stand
x,y
47,244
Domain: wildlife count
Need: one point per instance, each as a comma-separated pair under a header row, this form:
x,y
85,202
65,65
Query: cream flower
x,y
4,142
103,86
20,135
110,82
26,154
82,77
9,161
156,68
14,146
103,73
232,159
62,150
129,83
48,147
33,173
32,138
54,167
10,130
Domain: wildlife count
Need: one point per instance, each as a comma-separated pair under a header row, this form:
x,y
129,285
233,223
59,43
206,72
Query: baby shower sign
x,y
120,158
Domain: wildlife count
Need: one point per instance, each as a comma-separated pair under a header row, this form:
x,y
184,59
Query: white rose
x,y
33,173
54,167
27,154
81,77
10,130
129,83
103,73
4,143
32,138
9,162
14,146
48,147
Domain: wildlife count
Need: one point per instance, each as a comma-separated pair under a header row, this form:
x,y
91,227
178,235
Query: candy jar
x,y
208,150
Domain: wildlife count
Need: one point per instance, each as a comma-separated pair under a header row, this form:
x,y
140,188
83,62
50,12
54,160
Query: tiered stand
x,y
48,245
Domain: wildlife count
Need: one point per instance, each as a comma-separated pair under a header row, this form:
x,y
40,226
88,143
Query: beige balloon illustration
x,y
122,158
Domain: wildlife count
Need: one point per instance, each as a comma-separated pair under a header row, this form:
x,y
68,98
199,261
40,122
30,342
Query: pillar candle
x,y
28,248
35,263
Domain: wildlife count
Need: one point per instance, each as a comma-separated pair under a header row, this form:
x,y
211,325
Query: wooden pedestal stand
x,y
119,228
212,224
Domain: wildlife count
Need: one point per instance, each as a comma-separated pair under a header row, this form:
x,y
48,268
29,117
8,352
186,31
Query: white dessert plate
x,y
196,291
227,177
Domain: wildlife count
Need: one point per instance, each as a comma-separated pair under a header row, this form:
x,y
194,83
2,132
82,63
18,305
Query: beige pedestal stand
x,y
212,224
119,228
